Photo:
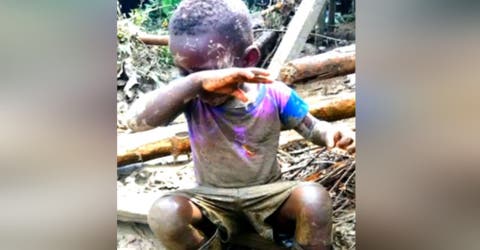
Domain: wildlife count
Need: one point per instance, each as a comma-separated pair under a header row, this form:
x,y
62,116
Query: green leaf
x,y
168,6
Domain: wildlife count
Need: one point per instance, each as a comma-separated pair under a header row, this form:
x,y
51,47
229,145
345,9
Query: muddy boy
x,y
235,113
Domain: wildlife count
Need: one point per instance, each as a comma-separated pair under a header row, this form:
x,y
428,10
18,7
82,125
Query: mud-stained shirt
x,y
236,146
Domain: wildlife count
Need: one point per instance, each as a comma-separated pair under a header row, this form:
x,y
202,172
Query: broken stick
x,y
161,40
263,42
179,144
341,107
297,33
337,62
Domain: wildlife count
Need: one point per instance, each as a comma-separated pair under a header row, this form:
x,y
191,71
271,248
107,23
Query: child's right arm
x,y
161,106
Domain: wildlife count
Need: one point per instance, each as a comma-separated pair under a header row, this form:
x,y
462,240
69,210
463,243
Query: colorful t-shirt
x,y
237,146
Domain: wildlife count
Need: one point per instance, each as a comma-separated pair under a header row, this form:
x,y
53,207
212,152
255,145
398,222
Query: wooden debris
x,y
297,33
338,178
303,163
331,15
161,40
337,62
179,144
341,107
279,5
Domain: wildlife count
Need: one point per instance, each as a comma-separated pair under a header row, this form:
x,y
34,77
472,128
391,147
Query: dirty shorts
x,y
230,208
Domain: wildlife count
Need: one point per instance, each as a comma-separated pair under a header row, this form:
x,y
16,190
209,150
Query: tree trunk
x,y
296,35
340,61
263,42
176,145
161,40
335,109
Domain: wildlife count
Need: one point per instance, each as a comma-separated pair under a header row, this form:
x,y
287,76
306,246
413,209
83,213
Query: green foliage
x,y
138,62
154,15
274,20
348,18
149,18
169,6
165,55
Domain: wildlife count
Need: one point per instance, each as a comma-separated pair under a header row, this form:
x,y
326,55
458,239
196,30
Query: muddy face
x,y
203,52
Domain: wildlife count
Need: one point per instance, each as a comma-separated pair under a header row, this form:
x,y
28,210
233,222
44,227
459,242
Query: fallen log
x,y
297,33
161,40
264,42
176,145
340,61
340,107
330,109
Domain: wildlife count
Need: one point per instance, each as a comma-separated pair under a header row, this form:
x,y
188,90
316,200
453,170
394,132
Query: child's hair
x,y
230,18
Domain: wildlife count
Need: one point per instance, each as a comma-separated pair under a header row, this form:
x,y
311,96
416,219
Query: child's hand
x,y
227,81
324,133
340,137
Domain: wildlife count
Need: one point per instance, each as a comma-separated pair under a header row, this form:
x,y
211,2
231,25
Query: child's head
x,y
212,34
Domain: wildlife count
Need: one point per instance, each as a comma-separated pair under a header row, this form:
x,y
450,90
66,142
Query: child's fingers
x,y
264,80
344,142
260,71
351,149
337,137
247,74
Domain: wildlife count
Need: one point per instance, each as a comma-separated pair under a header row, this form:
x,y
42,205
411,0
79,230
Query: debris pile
x,y
140,68
302,160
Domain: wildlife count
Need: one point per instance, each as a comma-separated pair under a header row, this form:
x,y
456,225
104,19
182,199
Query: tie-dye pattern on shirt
x,y
236,147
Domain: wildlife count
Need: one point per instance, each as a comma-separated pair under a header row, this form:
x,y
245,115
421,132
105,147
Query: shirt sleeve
x,y
292,108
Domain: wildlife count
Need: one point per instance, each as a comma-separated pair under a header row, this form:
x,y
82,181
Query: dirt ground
x,y
132,235
138,191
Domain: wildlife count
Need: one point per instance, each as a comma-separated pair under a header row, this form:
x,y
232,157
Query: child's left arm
x,y
325,134
294,114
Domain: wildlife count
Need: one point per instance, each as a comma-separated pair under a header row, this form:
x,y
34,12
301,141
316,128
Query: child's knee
x,y
315,201
170,215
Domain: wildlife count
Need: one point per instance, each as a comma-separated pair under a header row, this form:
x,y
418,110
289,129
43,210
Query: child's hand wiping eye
x,y
227,81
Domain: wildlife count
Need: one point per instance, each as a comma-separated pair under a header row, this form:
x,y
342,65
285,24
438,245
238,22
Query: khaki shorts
x,y
234,209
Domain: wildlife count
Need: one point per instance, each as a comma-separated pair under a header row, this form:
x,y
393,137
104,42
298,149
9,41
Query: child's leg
x,y
308,212
172,218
